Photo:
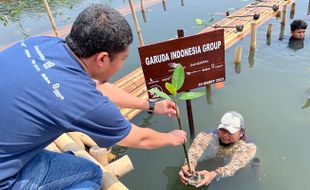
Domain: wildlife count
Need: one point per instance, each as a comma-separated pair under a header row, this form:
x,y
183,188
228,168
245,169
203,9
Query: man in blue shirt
x,y
47,88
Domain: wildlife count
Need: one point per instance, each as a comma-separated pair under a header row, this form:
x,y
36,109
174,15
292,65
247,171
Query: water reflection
x,y
182,2
144,16
281,35
307,104
295,44
237,68
306,100
251,59
278,15
253,174
268,40
164,5
209,95
308,12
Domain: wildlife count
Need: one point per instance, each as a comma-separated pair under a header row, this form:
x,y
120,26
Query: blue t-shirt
x,y
44,93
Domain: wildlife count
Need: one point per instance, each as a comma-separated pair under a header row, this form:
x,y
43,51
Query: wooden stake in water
x,y
281,35
268,35
143,10
293,9
50,16
269,29
283,20
134,17
238,54
142,6
188,102
253,36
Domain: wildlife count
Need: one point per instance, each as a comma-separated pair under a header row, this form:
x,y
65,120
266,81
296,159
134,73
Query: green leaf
x,y
170,87
309,68
178,77
4,19
159,93
199,21
191,95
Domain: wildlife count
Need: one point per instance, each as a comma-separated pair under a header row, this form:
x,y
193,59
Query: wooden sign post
x,y
201,55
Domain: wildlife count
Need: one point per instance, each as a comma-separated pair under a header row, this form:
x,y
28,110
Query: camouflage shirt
x,y
241,152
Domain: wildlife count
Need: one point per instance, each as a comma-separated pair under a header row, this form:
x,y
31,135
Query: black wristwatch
x,y
151,106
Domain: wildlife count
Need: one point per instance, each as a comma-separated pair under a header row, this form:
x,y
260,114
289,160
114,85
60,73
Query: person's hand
x,y
207,177
178,137
185,173
165,107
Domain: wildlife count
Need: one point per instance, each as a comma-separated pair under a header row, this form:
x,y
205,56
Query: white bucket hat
x,y
232,122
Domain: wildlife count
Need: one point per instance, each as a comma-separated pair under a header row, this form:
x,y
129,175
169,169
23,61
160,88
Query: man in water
x,y
298,31
229,140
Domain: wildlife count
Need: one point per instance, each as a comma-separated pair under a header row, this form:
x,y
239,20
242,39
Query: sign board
x,y
202,56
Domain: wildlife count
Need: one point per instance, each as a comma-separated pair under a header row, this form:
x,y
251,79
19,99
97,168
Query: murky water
x,y
270,90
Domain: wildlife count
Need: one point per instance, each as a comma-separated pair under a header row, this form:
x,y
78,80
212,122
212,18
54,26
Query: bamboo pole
x,y
238,54
53,147
76,136
65,143
50,16
293,9
121,166
134,17
253,36
84,140
100,154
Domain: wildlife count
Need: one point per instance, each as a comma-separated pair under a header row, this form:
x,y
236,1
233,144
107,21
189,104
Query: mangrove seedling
x,y
177,82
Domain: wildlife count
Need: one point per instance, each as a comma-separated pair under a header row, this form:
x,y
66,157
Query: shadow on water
x,y
209,95
14,10
281,35
251,174
251,59
296,44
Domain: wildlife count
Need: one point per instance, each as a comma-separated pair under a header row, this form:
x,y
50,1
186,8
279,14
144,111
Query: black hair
x,y
99,28
298,24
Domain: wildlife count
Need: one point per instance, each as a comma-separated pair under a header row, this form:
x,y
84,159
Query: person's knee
x,y
96,172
